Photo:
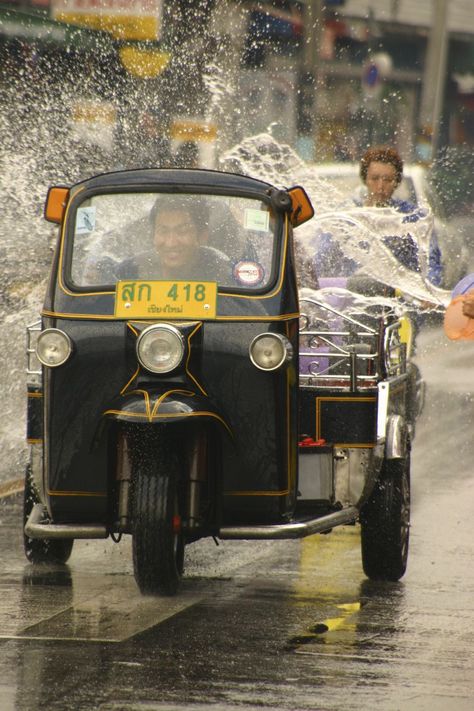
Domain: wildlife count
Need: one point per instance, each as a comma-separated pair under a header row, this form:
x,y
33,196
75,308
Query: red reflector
x,y
310,442
176,524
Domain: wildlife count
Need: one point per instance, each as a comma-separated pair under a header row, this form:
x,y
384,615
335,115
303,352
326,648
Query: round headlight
x,y
53,347
269,351
160,349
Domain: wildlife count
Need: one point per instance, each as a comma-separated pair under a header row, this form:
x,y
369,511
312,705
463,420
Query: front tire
x,y
385,522
41,550
158,542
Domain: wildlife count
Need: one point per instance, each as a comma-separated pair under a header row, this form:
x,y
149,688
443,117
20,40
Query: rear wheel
x,y
158,542
41,550
385,523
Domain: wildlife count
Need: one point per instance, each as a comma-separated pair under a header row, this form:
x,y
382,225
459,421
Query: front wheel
x,y
385,522
41,550
158,542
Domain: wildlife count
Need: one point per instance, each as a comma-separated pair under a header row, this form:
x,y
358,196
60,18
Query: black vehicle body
x,y
214,446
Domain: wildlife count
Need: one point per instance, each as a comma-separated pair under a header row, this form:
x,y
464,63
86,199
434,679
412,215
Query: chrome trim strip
x,y
382,409
395,445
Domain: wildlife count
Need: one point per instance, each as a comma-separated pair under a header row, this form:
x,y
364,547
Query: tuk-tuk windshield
x,y
126,236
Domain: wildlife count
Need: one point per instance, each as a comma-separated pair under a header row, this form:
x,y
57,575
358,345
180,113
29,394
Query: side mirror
x,y
301,207
55,206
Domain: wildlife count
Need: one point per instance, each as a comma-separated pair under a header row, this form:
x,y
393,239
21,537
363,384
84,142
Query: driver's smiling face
x,y
176,239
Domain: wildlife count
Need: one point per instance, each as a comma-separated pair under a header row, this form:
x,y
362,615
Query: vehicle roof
x,y
180,180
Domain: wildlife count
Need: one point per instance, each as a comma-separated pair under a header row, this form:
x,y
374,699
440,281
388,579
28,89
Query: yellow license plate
x,y
166,299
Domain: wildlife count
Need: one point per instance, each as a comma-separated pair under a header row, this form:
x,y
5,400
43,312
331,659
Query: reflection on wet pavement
x,y
113,615
64,602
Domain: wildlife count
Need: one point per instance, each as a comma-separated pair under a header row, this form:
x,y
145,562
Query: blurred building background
x,y
143,78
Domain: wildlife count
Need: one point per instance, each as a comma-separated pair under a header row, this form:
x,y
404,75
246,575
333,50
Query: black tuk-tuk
x,y
183,389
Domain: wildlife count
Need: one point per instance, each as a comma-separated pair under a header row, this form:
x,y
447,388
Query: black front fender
x,y
166,406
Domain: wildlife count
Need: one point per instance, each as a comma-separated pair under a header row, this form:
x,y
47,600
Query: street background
x,y
288,625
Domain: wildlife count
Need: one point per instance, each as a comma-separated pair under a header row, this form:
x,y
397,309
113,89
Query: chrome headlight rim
x,y
179,342
283,343
46,334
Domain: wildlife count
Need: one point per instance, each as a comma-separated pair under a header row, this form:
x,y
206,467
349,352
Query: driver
x,y
180,232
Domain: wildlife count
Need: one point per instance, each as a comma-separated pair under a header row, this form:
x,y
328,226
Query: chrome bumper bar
x,y
294,529
35,529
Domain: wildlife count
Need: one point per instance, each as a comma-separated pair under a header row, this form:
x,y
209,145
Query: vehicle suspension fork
x,y
124,475
197,476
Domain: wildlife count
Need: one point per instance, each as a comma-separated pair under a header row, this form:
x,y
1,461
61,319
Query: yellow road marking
x,y
347,609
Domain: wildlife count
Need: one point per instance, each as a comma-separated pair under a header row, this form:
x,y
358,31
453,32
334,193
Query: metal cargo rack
x,y
352,354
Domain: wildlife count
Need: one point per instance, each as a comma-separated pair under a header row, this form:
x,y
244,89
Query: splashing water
x,y
39,149
358,230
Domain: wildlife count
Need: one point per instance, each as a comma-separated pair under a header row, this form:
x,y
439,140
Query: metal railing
x,y
354,355
33,366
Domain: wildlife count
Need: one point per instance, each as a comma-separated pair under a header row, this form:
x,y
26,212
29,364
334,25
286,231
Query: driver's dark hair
x,y
381,154
195,205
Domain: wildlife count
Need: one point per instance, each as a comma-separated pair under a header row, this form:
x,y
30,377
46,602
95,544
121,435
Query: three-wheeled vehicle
x,y
178,387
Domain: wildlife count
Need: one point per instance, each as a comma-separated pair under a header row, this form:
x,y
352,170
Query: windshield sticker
x,y
85,220
257,220
248,273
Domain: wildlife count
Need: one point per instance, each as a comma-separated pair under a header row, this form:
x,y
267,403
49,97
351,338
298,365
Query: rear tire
x,y
385,523
41,550
158,542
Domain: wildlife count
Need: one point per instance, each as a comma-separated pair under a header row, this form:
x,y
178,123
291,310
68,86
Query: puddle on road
x,y
112,615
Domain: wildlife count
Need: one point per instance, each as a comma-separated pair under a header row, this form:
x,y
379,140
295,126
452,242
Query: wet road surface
x,y
283,625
